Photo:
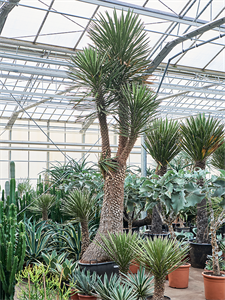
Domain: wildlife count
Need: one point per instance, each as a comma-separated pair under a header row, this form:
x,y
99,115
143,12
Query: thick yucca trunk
x,y
85,236
156,220
111,214
202,215
159,289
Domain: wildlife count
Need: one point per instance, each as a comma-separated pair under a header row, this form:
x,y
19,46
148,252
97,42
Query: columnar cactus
x,y
12,250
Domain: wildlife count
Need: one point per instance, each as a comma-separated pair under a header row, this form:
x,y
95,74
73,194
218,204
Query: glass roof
x,y
38,37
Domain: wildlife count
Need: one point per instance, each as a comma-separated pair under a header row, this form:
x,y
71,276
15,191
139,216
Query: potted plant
x,y
175,191
120,248
160,257
142,284
162,143
84,282
214,281
113,72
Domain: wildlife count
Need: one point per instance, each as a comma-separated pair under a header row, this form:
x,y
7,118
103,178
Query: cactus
x,y
7,188
12,170
12,250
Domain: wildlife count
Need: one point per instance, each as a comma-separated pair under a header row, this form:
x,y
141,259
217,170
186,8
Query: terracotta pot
x,y
134,267
86,297
214,286
74,296
179,278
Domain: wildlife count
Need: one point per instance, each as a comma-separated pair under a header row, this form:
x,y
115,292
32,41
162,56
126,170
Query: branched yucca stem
x,y
215,248
168,221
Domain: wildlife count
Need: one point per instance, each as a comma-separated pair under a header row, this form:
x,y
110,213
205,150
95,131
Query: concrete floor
x,y
195,290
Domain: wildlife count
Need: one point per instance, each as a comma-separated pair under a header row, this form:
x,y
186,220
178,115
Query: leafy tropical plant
x,y
80,205
175,191
141,283
37,240
42,204
160,257
201,137
112,72
119,247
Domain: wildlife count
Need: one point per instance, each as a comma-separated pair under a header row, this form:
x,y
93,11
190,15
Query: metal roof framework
x,y
38,37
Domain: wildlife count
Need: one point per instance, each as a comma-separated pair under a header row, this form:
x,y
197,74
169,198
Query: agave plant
x,y
120,248
141,283
67,268
42,204
51,259
80,205
201,137
104,286
37,239
69,238
84,281
160,257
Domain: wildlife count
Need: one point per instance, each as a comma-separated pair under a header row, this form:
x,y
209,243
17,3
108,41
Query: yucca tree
x,y
160,257
112,73
162,143
201,137
120,248
42,205
80,205
218,158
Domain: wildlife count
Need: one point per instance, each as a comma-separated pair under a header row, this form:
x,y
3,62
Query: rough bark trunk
x,y
85,236
111,214
156,220
45,215
159,289
202,216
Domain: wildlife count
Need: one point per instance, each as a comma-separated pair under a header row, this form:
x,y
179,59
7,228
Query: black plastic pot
x,y
102,268
198,254
184,229
153,235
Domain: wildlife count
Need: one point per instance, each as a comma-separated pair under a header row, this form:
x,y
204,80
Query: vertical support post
x,y
48,156
143,167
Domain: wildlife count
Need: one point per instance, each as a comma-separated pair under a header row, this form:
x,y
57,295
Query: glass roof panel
x,y
23,22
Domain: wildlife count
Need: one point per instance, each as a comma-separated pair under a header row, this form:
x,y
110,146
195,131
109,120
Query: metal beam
x,y
149,12
170,45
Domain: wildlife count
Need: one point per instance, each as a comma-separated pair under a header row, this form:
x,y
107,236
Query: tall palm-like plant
x,y
218,158
201,137
80,205
162,143
112,73
42,205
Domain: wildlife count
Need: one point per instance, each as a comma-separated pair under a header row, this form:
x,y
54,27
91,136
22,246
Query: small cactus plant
x,y
12,250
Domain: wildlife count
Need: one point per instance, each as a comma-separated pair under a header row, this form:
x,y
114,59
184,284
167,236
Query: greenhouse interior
x,y
112,149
